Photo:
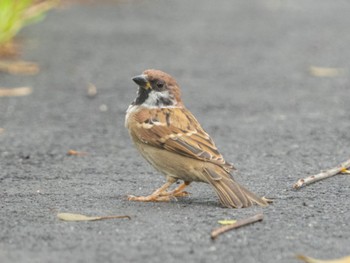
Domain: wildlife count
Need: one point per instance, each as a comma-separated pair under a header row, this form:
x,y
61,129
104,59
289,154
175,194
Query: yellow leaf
x,y
14,92
313,260
345,171
227,222
78,217
326,72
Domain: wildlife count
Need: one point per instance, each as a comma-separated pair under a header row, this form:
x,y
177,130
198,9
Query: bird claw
x,y
267,200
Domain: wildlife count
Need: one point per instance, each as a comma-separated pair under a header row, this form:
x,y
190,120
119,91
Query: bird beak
x,y
142,81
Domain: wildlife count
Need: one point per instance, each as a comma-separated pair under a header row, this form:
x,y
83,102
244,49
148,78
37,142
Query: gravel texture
x,y
244,70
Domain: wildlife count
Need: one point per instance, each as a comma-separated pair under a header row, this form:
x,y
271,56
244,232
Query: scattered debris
x,y
19,67
326,72
76,153
227,222
216,232
342,168
91,90
78,217
103,108
10,49
15,92
2,130
313,260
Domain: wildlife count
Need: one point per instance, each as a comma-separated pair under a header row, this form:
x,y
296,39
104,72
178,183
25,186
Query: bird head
x,y
157,89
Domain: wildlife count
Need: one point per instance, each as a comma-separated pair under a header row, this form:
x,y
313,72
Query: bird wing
x,y
178,131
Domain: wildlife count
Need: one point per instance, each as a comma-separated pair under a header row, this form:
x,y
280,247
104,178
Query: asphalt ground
x,y
244,70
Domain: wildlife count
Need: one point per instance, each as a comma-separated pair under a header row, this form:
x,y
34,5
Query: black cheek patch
x,y
164,102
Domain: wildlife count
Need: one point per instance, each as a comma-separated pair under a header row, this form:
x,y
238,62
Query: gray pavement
x,y
243,67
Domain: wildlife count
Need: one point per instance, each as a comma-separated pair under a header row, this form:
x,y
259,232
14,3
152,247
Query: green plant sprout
x,y
16,14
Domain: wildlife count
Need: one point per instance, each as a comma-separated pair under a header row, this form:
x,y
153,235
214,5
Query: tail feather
x,y
230,193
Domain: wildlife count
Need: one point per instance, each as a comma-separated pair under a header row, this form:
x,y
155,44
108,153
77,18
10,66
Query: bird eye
x,y
160,84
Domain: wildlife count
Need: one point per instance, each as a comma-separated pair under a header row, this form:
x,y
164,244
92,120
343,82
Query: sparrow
x,y
171,139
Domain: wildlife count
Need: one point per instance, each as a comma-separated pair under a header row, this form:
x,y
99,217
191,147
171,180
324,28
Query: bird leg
x,y
161,194
156,196
178,191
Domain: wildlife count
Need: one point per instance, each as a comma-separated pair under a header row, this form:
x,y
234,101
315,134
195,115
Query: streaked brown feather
x,y
230,193
177,130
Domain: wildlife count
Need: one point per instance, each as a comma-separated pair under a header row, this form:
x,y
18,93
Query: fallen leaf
x,y
313,260
76,153
19,67
78,217
15,92
345,171
227,222
326,72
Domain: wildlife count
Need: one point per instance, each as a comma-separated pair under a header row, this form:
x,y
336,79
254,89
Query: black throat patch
x,y
142,96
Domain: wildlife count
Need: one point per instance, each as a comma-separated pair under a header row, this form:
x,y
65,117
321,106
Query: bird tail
x,y
230,193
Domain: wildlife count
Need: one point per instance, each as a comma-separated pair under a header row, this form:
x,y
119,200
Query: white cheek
x,y
154,97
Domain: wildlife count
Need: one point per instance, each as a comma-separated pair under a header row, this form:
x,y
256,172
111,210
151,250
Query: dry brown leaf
x,y
76,153
313,260
326,72
15,92
78,217
19,67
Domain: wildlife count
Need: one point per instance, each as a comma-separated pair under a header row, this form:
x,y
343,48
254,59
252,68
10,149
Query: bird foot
x,y
149,198
161,197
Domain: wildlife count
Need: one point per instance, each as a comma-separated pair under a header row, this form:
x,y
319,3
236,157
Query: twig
x,y
342,168
216,232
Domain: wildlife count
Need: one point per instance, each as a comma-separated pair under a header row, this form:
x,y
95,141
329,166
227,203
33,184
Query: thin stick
x,y
342,168
216,232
